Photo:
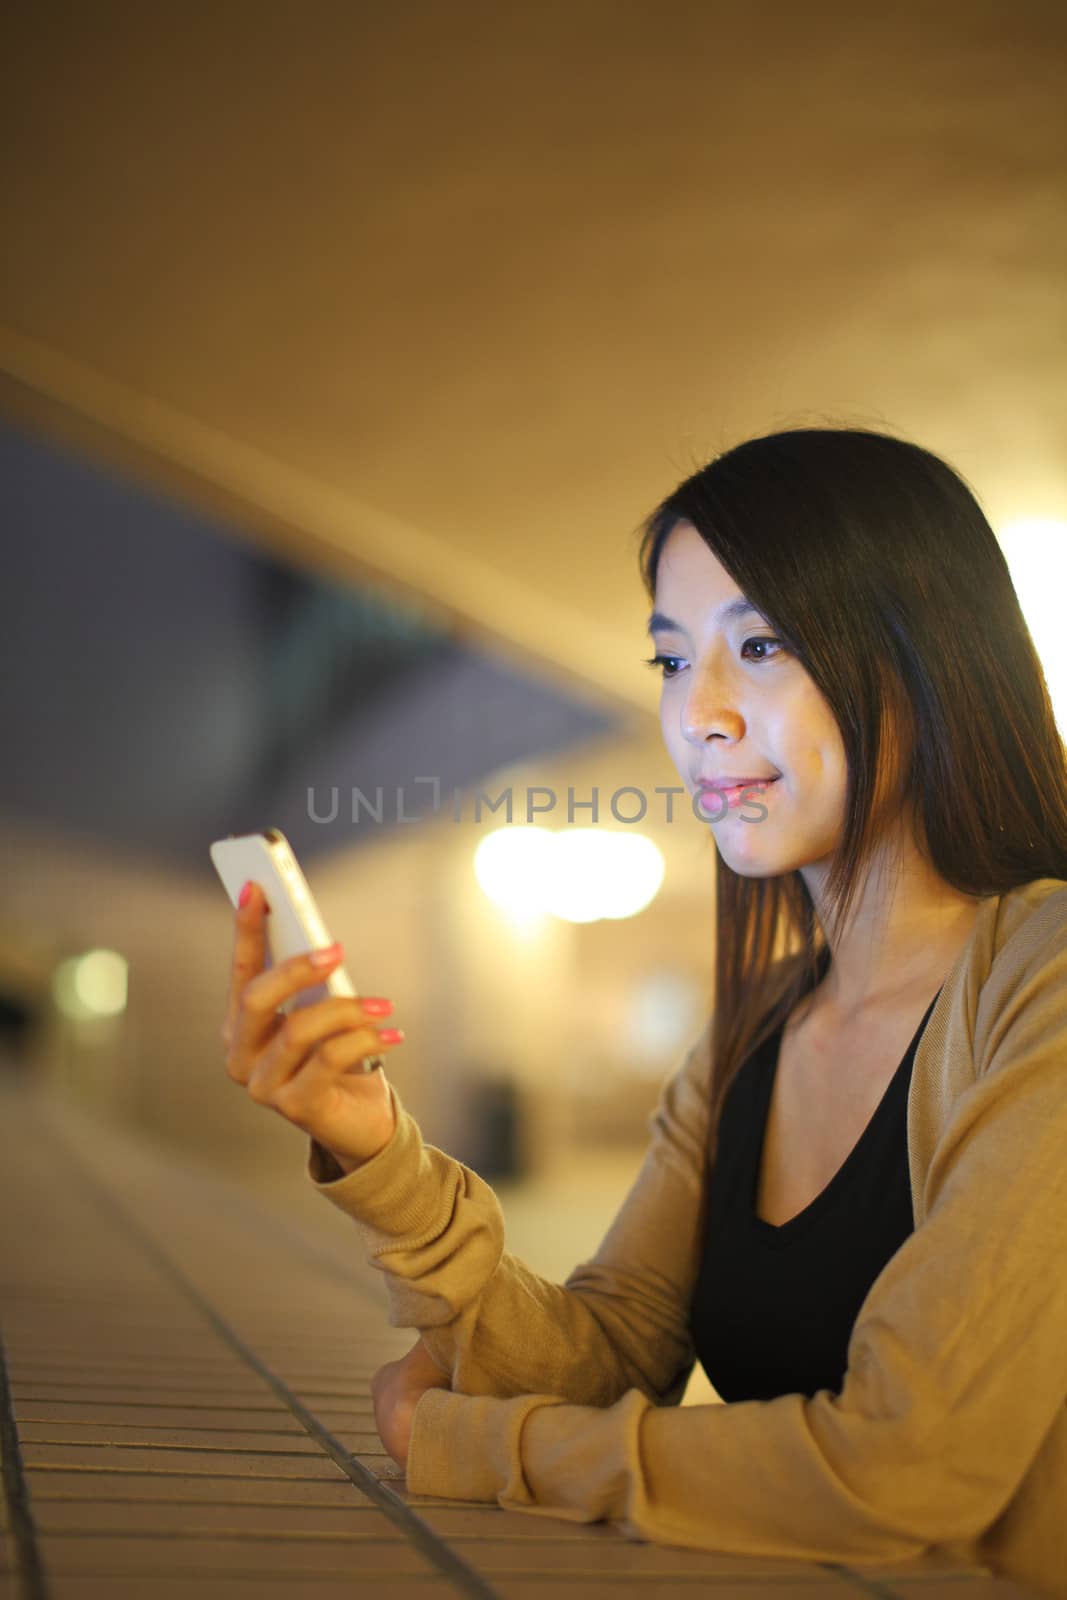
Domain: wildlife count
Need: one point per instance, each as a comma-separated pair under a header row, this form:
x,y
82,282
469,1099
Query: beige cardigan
x,y
950,1430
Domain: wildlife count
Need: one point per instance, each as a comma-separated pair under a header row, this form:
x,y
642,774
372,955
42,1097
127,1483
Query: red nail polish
x,y
377,1008
242,898
326,955
391,1035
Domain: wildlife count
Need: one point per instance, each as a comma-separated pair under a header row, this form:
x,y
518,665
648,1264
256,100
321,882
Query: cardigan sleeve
x,y
621,1319
957,1364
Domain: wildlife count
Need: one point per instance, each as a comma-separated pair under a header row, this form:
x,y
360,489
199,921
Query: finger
x,y
257,1016
316,1058
249,953
293,1037
271,987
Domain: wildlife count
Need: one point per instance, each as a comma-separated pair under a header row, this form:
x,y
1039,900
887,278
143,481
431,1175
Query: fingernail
x,y
377,1008
391,1035
242,898
326,956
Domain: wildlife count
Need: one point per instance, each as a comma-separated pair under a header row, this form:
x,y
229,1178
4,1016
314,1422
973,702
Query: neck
x,y
904,931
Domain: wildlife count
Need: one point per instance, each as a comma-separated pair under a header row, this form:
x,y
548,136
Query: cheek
x,y
679,751
668,721
828,772
808,745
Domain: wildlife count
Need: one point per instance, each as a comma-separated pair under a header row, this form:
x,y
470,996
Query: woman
x,y
853,1207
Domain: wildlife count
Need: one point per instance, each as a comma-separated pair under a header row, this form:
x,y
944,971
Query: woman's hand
x,y
396,1390
306,1066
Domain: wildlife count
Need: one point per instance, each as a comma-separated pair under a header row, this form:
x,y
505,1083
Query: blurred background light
x,y
512,866
665,1010
1035,548
91,985
579,875
603,874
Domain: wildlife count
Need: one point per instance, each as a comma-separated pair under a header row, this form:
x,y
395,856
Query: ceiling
x,y
167,685
441,298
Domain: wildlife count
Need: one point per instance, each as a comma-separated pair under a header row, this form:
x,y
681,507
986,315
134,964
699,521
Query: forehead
x,y
686,559
693,585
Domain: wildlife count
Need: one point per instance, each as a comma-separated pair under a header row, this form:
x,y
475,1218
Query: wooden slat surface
x,y
189,1387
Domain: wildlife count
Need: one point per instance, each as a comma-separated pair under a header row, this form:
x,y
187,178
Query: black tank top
x,y
774,1307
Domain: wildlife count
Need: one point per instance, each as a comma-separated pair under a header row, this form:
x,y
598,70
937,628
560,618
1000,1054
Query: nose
x,y
709,710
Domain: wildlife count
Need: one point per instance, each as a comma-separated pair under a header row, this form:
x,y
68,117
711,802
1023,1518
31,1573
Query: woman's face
x,y
735,703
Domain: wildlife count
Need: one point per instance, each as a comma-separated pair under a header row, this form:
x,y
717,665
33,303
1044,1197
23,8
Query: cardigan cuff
x,y
466,1447
390,1192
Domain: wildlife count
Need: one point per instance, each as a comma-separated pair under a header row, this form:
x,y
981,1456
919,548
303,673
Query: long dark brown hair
x,y
873,562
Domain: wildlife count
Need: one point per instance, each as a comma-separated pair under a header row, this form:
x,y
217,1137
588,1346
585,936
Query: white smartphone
x,y
295,924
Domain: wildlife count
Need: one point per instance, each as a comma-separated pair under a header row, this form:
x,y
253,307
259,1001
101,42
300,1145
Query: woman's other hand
x,y
396,1390
306,1066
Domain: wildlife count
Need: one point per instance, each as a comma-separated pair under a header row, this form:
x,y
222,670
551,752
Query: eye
x,y
663,662
762,639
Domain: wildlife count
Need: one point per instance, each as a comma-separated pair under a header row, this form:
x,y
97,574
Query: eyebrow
x,y
733,608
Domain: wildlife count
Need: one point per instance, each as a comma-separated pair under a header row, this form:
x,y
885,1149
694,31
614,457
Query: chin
x,y
748,869
748,864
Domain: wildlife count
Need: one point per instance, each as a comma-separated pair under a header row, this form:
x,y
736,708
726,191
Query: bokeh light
x,y
1035,549
91,985
578,875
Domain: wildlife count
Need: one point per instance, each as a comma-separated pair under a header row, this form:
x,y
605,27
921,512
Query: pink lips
x,y
735,793
733,783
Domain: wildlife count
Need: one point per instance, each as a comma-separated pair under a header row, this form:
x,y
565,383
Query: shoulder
x,y
1026,914
1028,928
995,1049
678,1122
1012,930
1023,990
